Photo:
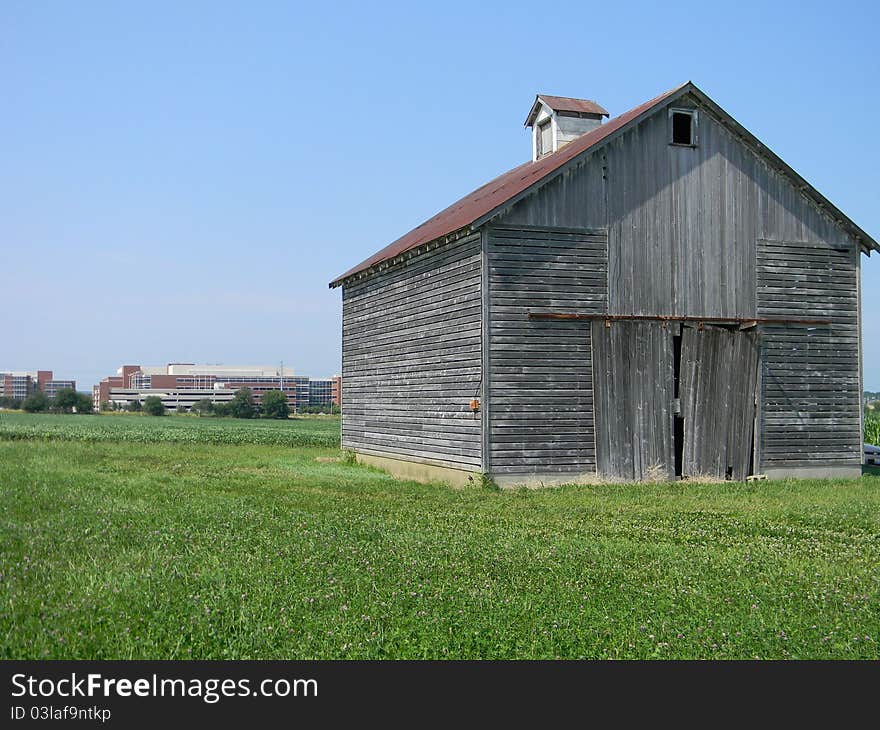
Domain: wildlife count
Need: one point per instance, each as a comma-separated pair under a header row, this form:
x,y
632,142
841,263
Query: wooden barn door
x,y
633,381
717,388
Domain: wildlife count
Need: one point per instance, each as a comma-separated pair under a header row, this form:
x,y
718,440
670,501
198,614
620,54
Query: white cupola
x,y
557,120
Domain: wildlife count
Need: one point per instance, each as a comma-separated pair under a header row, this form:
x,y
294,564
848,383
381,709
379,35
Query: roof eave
x,y
402,256
865,241
663,100
533,112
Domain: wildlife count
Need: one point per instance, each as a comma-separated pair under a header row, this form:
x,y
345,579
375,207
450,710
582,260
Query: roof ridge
x,y
486,201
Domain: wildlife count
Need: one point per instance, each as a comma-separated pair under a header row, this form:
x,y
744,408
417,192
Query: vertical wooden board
x,y
640,236
718,382
485,354
682,222
719,370
856,253
574,199
633,385
604,415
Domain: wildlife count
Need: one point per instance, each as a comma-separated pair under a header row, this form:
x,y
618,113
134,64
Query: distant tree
x,y
181,409
107,405
221,409
153,406
36,402
84,403
7,401
275,404
203,407
135,405
325,408
65,400
242,404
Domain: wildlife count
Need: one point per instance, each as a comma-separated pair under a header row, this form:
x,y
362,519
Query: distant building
x,y
181,385
323,391
20,384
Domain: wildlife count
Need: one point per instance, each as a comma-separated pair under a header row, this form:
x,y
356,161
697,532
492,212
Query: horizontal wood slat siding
x,y
541,389
411,358
810,375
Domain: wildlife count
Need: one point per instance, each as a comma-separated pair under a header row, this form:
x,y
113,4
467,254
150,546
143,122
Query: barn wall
x,y
653,199
540,405
690,232
411,358
682,222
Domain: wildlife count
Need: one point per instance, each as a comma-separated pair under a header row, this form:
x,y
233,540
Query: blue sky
x,y
179,181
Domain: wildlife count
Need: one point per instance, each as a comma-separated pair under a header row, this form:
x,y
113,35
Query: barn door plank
x,y
719,376
633,383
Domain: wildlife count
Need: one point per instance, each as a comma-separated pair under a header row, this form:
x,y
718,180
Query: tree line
x,y
66,400
242,405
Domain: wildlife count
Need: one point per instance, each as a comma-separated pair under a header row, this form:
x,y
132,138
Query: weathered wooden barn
x,y
655,296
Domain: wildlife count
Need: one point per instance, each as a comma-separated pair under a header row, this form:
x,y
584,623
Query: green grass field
x,y
138,428
178,549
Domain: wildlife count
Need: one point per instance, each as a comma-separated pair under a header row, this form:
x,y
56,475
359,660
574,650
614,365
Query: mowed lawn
x,y
178,550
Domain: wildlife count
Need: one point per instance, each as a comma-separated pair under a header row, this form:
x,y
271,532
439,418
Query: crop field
x,y
304,431
186,548
872,428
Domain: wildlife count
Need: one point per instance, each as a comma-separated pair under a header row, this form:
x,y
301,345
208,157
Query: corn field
x,y
872,428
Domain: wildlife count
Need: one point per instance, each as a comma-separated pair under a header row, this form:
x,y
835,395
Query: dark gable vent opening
x,y
682,128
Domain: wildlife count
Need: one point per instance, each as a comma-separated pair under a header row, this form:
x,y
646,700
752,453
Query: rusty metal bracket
x,y
741,322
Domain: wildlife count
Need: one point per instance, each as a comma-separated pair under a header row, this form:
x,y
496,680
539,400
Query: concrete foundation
x,y
419,471
815,472
538,481
425,471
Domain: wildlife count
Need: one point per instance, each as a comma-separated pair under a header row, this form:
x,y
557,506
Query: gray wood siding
x,y
639,227
540,379
810,406
411,358
569,128
634,379
682,221
718,383
687,235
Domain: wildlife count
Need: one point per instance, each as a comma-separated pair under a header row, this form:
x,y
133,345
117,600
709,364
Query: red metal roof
x,y
496,193
566,104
